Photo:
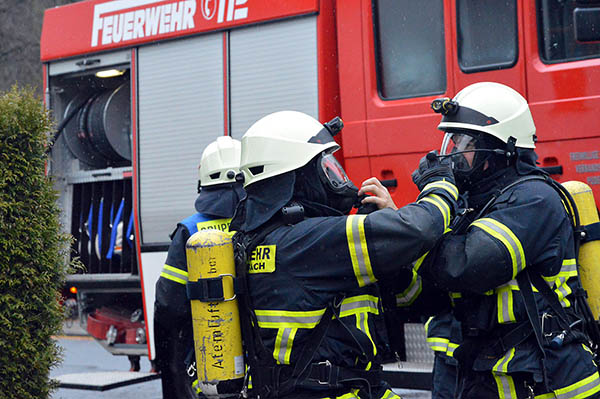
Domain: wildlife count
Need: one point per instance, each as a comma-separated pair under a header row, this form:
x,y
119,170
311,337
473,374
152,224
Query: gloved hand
x,y
431,169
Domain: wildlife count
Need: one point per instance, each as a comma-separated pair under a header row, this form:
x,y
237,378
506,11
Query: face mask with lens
x,y
459,148
343,193
468,154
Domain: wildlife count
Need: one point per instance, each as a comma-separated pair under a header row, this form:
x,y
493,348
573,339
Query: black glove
x,y
364,209
431,169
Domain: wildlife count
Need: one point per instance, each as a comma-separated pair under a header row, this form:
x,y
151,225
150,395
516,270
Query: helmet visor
x,y
460,149
333,172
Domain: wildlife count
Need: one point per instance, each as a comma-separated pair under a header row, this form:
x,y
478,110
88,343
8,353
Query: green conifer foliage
x,y
33,251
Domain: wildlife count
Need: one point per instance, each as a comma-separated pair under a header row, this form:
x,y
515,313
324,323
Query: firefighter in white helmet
x,y
509,262
311,268
219,194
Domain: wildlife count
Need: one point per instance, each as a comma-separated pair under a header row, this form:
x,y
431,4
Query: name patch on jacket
x,y
262,259
217,224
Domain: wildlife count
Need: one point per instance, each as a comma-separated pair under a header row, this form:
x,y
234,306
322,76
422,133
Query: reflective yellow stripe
x,y
442,345
410,294
287,323
427,324
506,386
451,348
562,291
359,254
174,274
579,390
283,345
419,262
288,318
506,313
440,204
501,365
443,184
196,387
359,304
438,344
506,237
389,394
350,395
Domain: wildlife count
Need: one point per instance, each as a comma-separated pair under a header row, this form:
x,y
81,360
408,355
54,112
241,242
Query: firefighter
x,y
515,238
219,194
311,268
443,337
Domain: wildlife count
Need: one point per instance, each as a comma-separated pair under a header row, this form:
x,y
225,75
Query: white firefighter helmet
x,y
491,108
281,142
220,161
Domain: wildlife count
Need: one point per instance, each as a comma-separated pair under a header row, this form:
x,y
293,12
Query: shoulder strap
x,y
495,197
531,309
258,355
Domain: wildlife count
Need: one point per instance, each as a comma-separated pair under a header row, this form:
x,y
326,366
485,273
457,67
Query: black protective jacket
x,y
300,270
173,335
526,228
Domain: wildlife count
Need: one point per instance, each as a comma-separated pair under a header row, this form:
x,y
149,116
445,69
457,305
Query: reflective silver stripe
x,y
505,298
440,204
411,293
445,185
288,319
502,233
360,260
389,395
283,347
563,290
587,386
501,365
438,344
506,388
362,322
168,272
568,268
451,348
366,303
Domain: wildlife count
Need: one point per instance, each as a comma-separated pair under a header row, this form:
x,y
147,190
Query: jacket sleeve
x,y
410,232
525,227
358,250
171,303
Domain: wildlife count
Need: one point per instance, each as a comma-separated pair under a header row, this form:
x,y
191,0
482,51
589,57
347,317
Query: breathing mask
x,y
342,194
472,156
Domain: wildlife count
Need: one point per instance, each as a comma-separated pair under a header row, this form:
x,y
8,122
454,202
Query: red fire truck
x,y
139,87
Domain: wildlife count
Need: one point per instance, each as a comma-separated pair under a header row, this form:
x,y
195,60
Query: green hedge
x,y
32,250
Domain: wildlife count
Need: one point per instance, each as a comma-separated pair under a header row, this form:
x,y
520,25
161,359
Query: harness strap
x,y
257,354
591,232
514,337
531,309
322,375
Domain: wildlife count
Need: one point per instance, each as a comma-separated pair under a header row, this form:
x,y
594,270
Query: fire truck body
x,y
189,71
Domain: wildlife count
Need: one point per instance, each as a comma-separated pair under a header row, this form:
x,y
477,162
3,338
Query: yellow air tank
x,y
215,313
589,253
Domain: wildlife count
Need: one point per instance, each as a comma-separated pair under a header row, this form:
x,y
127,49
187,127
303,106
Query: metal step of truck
x,y
104,380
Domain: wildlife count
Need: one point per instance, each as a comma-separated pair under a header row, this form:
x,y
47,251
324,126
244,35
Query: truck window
x,y
479,25
410,50
568,30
